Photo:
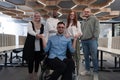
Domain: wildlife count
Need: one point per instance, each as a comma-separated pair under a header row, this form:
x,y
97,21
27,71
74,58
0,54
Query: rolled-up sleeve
x,y
47,47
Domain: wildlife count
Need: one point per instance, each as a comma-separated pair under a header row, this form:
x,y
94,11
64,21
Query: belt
x,y
87,39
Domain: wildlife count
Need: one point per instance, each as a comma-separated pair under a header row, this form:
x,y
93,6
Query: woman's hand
x,y
67,35
38,36
76,36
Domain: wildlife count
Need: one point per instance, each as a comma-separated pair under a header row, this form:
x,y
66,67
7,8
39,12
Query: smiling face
x,y
61,27
37,17
87,12
55,14
72,15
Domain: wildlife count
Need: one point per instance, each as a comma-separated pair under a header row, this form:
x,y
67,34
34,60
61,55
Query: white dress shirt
x,y
73,30
51,27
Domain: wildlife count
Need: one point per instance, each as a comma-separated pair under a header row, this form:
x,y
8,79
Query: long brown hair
x,y
74,20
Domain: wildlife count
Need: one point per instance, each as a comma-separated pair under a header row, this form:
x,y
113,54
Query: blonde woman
x,y
33,48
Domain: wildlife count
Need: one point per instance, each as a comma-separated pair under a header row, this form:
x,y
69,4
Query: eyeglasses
x,y
86,11
61,27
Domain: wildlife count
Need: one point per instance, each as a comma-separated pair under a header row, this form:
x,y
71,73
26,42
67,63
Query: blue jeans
x,y
90,50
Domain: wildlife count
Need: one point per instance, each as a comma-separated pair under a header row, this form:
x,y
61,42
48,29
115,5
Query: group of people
x,y
55,38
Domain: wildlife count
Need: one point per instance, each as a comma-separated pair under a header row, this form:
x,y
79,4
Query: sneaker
x,y
95,76
85,73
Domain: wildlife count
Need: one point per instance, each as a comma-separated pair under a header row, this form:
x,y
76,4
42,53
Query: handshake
x,y
38,36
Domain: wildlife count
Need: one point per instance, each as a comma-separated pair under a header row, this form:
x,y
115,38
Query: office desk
x,y
115,52
8,48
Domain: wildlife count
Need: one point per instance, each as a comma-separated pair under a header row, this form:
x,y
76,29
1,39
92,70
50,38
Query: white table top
x,y
110,50
7,48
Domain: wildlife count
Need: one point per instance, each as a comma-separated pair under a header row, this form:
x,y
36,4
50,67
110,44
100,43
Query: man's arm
x,y
43,39
46,31
46,45
72,46
96,28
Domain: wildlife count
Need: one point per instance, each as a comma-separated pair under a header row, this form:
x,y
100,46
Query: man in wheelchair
x,y
57,46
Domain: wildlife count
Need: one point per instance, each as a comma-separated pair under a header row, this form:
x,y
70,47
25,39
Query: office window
x,y
117,29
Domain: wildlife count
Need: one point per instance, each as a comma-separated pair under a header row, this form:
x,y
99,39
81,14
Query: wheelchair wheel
x,y
44,75
74,77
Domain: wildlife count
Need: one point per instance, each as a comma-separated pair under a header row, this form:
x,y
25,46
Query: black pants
x,y
63,68
33,63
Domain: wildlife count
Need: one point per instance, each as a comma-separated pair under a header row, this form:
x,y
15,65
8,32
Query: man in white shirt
x,y
51,24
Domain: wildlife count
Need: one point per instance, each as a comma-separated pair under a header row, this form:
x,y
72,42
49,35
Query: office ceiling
x,y
23,9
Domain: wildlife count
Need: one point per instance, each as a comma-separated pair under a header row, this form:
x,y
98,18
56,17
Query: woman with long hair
x,y
73,27
33,48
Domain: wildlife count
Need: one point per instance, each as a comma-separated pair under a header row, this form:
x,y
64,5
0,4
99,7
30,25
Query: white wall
x,y
9,26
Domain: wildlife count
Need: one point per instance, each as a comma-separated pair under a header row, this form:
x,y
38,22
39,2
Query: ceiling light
x,y
105,6
74,6
108,4
41,2
20,10
60,14
2,0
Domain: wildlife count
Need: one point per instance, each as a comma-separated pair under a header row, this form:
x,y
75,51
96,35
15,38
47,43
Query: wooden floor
x,y
20,73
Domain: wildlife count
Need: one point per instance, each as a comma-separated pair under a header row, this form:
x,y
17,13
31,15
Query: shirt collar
x,y
59,34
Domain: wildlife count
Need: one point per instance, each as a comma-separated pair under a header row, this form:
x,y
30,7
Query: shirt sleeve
x,y
46,31
48,46
71,49
96,28
30,29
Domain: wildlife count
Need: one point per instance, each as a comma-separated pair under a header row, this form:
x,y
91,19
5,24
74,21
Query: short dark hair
x,y
61,23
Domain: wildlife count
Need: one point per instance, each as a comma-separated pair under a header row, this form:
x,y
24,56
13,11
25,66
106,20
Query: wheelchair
x,y
46,71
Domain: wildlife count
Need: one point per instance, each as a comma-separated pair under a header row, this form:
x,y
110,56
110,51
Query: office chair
x,y
17,57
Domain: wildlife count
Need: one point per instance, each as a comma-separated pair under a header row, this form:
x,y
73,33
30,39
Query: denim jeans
x,y
90,51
